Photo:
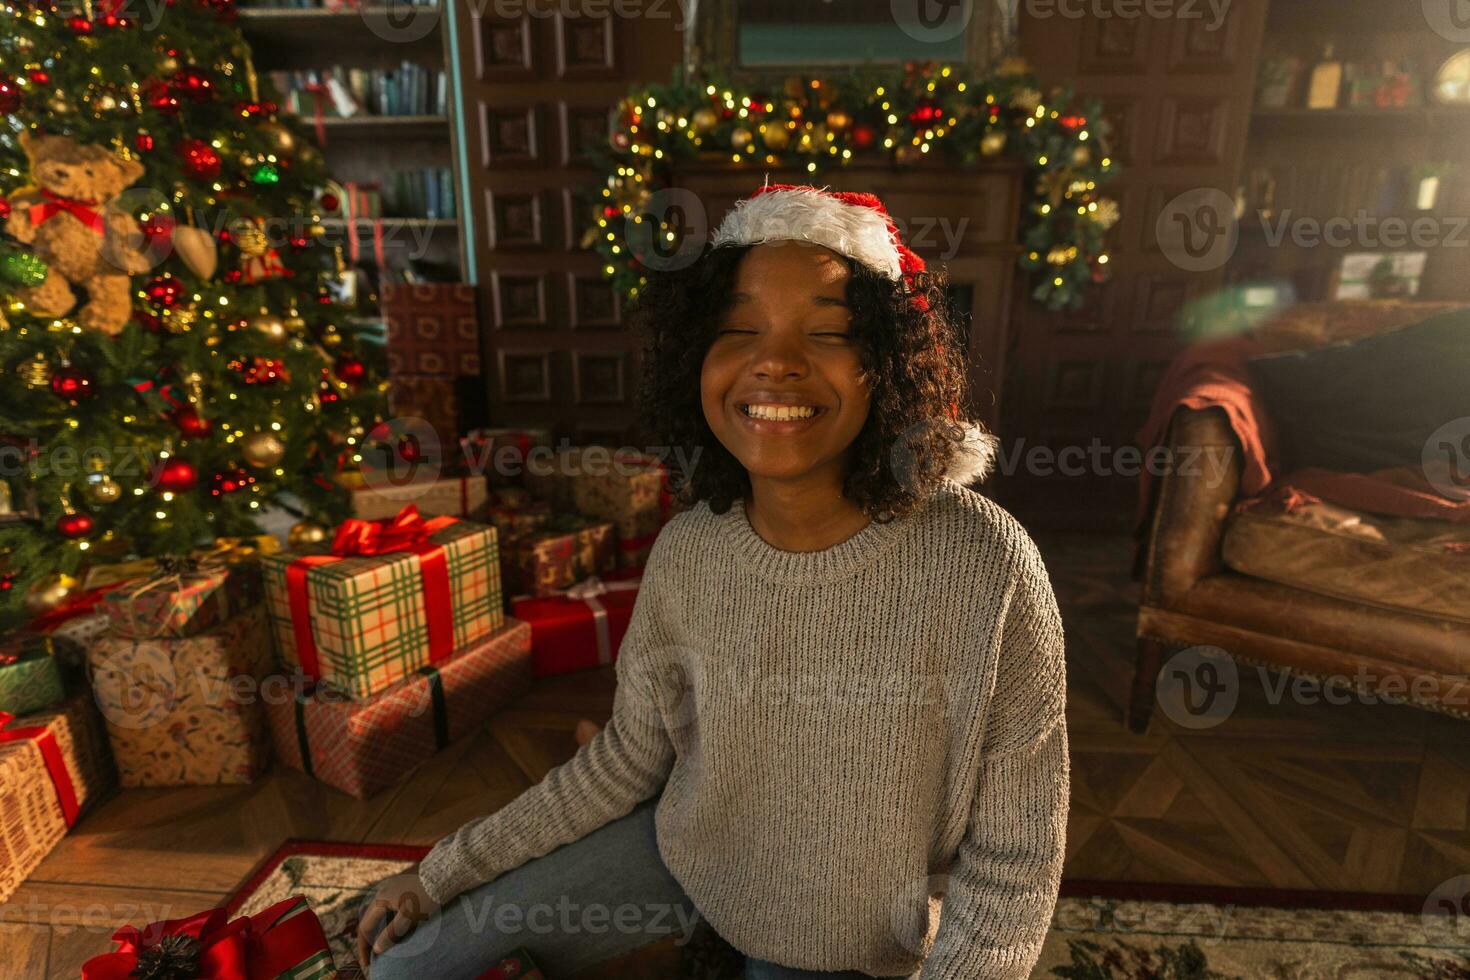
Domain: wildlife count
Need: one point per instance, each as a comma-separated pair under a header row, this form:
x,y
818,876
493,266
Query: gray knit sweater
x,y
837,735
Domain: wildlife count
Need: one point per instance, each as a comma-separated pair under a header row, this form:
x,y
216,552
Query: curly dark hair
x,y
915,369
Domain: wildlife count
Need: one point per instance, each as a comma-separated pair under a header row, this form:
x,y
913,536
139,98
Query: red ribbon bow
x,y
257,947
83,211
406,531
45,739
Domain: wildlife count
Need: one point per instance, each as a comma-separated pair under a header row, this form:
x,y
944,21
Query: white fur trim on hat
x,y
811,215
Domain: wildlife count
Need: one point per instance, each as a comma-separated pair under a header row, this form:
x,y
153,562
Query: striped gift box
x,y
368,618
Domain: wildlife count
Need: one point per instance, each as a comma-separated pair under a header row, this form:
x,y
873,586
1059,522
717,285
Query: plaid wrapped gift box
x,y
362,747
186,711
578,629
456,496
30,674
631,491
362,619
52,765
551,476
560,553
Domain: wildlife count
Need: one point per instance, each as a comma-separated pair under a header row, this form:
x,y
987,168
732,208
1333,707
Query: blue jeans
x,y
590,901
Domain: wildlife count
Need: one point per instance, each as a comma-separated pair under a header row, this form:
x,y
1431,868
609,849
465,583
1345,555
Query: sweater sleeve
x,y
624,764
1003,884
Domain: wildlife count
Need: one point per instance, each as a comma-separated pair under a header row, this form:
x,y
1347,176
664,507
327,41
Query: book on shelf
x,y
330,6
410,89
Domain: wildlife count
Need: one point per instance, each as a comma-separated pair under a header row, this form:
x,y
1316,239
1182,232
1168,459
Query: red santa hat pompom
x,y
858,226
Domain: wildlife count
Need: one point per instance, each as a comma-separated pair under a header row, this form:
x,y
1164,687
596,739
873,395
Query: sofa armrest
x,y
1195,495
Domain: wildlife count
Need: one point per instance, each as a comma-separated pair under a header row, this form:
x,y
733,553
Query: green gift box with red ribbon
x,y
389,598
52,765
282,942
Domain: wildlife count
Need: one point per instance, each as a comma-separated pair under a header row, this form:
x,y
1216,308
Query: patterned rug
x,y
1101,931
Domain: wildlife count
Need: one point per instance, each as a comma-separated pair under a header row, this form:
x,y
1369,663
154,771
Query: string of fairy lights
x,y
900,116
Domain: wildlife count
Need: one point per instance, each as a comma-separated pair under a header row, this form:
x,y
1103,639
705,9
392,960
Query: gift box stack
x,y
433,345
399,644
179,669
578,529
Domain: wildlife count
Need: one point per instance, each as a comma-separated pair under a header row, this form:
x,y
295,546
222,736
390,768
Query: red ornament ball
x,y
175,476
71,384
4,209
148,321
39,77
863,136
330,202
9,95
75,526
144,142
190,423
158,228
80,25
351,370
194,83
201,161
162,98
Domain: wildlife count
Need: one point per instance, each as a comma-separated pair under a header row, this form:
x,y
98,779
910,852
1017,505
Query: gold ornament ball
x,y
838,121
270,327
262,450
35,373
992,143
777,136
168,64
50,592
740,138
704,120
1081,156
104,103
104,490
279,137
305,533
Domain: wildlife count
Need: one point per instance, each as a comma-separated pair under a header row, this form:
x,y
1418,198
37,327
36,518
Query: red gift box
x,y
578,629
285,940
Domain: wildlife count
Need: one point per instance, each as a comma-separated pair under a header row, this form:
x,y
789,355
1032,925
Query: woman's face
x,y
782,384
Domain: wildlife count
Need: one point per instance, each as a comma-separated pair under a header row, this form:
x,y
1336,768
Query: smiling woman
x,y
765,357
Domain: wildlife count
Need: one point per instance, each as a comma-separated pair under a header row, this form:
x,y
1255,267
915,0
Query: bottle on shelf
x,y
1324,88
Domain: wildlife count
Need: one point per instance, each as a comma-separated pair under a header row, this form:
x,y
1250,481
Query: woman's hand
x,y
402,901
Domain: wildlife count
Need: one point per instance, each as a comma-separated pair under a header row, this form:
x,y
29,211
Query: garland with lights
x,y
206,371
815,124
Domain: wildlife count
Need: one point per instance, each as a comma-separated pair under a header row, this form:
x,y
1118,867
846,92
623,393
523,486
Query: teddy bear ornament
x,y
71,221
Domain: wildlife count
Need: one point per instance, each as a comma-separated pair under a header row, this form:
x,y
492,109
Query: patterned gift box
x,y
30,674
631,491
505,455
510,497
562,552
282,942
181,598
52,765
186,711
512,521
362,621
578,629
456,496
434,398
362,747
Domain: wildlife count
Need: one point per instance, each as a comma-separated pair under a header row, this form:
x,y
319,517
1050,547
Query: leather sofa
x,y
1192,597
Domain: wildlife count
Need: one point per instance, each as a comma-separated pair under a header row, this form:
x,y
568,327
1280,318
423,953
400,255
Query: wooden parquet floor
x,y
1369,798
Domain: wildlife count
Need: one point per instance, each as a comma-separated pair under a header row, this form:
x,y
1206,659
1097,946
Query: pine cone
x,y
174,958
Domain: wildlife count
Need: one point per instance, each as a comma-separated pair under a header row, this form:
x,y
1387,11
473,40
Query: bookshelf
x,y
369,148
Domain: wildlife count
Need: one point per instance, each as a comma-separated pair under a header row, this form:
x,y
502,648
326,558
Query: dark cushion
x,y
1370,404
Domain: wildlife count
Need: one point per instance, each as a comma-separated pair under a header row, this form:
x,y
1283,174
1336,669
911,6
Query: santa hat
x,y
859,227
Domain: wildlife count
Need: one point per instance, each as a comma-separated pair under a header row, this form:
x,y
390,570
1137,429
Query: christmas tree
x,y
175,361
